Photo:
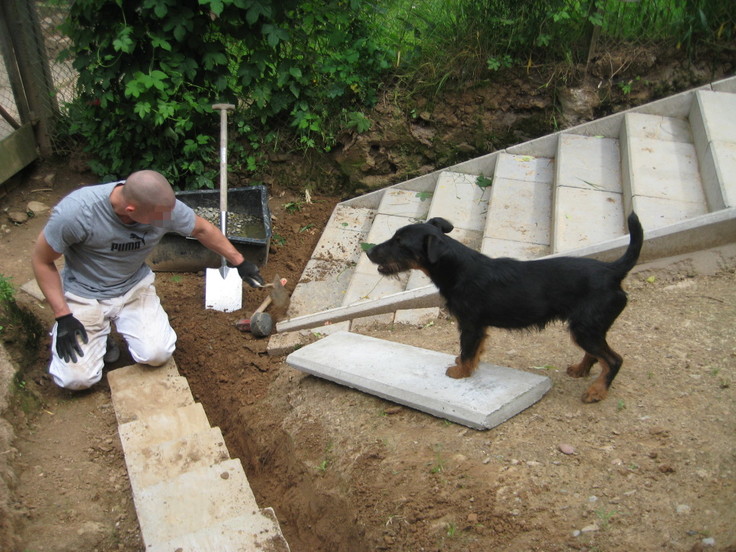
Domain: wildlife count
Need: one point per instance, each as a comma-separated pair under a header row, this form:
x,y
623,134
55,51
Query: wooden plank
x,y
17,151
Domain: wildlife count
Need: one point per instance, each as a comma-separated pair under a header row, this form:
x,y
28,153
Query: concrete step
x,y
406,203
713,120
139,399
588,194
194,501
366,283
240,534
518,221
463,200
186,488
327,275
660,170
416,378
163,426
167,460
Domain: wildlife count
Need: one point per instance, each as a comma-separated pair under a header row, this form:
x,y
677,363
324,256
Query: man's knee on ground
x,y
152,355
76,381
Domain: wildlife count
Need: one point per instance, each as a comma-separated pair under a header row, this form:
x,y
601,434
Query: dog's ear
x,y
444,225
434,248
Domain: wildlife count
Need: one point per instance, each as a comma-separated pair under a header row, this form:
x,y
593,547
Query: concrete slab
x,y
494,247
526,168
589,162
135,399
141,372
521,202
164,426
340,240
520,211
416,377
168,460
406,203
657,212
713,119
239,534
322,286
195,500
459,199
657,127
32,289
584,217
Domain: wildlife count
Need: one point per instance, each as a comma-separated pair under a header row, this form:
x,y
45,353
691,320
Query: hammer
x,y
260,324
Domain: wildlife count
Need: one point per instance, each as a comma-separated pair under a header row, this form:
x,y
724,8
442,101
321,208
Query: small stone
x,y
37,208
592,499
17,217
590,528
683,509
576,533
225,475
566,449
709,541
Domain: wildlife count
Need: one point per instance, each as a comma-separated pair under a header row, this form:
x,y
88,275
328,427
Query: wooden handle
x,y
262,307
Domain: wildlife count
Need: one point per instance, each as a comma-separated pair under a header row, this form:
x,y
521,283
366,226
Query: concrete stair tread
x,y
167,460
163,426
658,127
520,206
141,372
460,199
405,203
193,501
719,115
416,377
588,198
713,119
366,283
239,534
141,398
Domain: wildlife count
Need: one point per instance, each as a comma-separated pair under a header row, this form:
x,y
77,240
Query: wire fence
x,y
35,27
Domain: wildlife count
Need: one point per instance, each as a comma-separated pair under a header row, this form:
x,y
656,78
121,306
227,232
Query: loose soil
x,y
650,468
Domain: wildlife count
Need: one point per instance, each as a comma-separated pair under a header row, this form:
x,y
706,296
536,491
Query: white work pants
x,y
138,317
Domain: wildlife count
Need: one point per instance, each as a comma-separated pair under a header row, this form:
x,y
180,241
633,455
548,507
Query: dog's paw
x,y
594,394
576,371
456,372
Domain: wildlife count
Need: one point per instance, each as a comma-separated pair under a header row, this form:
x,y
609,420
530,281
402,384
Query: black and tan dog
x,y
508,293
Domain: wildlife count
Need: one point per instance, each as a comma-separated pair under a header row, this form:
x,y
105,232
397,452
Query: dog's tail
x,y
629,258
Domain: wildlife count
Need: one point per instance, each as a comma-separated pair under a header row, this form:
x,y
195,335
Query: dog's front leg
x,y
471,348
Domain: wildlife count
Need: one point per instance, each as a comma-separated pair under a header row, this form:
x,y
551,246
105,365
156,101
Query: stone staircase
x,y
190,496
673,161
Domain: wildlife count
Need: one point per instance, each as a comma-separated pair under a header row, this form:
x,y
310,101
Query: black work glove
x,y
68,331
249,273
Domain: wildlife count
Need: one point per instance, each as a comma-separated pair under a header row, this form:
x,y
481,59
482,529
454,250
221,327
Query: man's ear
x,y
444,225
434,248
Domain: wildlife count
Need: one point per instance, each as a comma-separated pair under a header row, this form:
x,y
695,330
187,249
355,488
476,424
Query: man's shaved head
x,y
148,189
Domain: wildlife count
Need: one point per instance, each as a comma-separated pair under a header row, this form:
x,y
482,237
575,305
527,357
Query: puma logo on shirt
x,y
137,243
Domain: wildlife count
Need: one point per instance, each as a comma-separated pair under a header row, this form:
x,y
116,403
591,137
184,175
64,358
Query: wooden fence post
x,y
26,39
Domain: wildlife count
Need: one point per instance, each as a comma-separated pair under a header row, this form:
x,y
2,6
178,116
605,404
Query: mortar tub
x,y
175,253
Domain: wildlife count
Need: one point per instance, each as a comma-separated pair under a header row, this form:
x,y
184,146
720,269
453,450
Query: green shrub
x,y
150,69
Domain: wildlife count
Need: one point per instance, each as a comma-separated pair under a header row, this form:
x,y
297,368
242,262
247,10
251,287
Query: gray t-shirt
x,y
104,257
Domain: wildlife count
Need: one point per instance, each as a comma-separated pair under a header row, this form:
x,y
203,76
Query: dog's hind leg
x,y
471,348
596,348
582,368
